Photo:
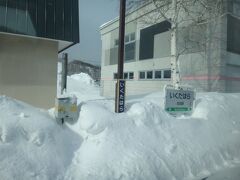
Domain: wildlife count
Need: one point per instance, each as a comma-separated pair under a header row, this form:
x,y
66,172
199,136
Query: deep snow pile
x,y
32,145
83,86
147,143
142,143
231,173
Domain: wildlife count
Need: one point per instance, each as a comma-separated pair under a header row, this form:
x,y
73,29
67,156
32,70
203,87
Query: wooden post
x,y
120,79
64,72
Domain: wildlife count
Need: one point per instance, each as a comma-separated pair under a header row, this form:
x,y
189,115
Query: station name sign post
x,y
179,101
120,85
120,96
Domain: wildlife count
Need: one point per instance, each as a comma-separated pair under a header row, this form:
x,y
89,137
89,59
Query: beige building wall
x,y
135,86
28,69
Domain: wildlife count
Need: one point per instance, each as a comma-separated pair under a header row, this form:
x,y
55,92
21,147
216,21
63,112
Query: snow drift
x,y
32,145
83,86
142,143
147,143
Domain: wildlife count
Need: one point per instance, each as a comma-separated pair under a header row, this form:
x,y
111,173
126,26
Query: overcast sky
x,y
93,13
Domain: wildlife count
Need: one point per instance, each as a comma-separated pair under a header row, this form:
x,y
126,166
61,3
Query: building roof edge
x,y
129,13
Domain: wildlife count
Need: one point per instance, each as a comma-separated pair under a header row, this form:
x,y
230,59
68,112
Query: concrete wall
x,y
28,69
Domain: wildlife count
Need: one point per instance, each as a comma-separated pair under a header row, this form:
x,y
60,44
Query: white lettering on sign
x,y
121,96
122,90
121,103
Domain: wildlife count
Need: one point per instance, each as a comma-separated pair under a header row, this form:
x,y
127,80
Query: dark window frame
x,y
161,74
149,74
233,29
146,47
153,77
129,40
141,72
115,76
126,75
131,76
167,71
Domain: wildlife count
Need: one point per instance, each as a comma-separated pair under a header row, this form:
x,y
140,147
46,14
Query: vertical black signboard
x,y
120,96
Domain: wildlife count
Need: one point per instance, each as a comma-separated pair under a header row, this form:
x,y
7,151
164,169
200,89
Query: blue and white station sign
x,y
179,101
120,96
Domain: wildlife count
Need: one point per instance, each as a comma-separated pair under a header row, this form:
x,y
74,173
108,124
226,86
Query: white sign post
x,y
179,101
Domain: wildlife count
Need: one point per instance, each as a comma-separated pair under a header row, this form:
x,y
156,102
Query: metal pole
x,y
121,38
120,86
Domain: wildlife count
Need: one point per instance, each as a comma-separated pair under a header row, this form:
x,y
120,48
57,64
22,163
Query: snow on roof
x,y
109,22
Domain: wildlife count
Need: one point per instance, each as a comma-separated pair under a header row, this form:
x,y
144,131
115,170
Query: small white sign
x,y
66,109
179,101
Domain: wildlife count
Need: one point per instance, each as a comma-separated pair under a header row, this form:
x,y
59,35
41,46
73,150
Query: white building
x,y
214,66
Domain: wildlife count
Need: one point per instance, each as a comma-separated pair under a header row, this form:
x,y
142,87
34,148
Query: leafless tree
x,y
187,16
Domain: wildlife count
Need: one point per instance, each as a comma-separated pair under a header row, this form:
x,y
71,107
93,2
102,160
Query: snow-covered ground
x,y
32,145
83,86
142,143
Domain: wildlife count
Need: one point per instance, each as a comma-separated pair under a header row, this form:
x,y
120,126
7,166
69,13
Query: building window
x,y
233,36
158,74
131,75
146,49
149,74
132,37
129,51
127,75
142,75
126,39
130,46
167,74
116,42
